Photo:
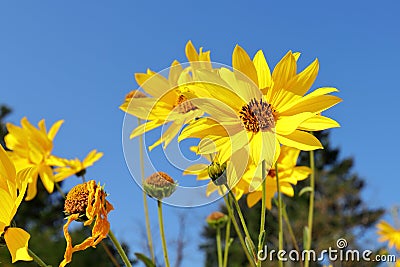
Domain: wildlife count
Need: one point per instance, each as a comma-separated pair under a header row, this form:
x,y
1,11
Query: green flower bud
x,y
159,185
217,173
217,219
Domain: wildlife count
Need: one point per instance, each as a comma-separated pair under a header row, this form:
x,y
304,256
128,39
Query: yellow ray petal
x,y
288,124
300,140
17,243
284,71
242,62
145,127
316,105
318,123
154,84
263,71
302,82
54,129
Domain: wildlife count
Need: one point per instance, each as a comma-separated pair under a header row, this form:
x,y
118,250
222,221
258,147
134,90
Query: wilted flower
x,y
159,185
87,203
11,195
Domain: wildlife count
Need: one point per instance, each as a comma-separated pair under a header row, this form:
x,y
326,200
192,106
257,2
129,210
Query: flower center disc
x,y
257,115
77,200
184,105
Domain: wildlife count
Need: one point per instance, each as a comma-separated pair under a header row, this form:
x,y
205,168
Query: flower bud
x,y
217,173
159,185
217,219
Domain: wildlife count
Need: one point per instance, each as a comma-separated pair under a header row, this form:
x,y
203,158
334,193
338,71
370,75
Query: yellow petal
x,y
7,206
17,243
302,82
300,140
168,135
191,53
47,177
145,127
263,71
318,123
92,157
288,124
54,129
7,169
253,198
242,62
154,84
316,105
284,71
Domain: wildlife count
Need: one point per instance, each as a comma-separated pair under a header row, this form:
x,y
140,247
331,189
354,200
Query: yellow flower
x,y
389,233
11,195
265,107
86,202
165,103
289,174
32,147
75,166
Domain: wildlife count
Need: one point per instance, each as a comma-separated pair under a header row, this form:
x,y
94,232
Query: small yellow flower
x,y
32,147
389,233
86,202
75,166
11,195
165,104
289,174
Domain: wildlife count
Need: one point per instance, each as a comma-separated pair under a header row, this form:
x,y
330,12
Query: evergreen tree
x,y
339,212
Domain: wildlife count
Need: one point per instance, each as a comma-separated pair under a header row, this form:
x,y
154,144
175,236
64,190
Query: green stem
x,y
239,211
59,189
311,205
291,233
161,224
279,211
227,241
37,259
83,179
145,205
119,249
262,224
219,248
238,232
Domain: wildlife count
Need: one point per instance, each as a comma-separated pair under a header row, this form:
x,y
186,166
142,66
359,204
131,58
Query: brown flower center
x,y
76,201
183,105
257,115
135,94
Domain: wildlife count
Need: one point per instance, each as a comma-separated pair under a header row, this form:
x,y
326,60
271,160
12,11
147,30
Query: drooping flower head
x,y
11,195
162,103
86,202
32,147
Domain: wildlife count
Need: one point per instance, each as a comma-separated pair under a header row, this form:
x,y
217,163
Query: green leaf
x,y
305,189
145,260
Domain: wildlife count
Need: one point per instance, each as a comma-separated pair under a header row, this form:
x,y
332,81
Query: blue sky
x,y
75,61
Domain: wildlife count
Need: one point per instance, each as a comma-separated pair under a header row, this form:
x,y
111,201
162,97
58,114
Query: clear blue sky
x,y
75,61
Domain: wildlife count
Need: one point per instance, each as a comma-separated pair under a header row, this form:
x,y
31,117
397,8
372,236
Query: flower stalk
x,y
280,234
119,248
311,205
161,224
219,247
261,235
37,259
145,204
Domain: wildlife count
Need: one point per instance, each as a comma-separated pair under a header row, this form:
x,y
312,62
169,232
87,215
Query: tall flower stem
x,y
280,235
161,224
119,249
227,241
145,205
238,231
311,205
261,235
219,247
239,211
59,189
37,259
